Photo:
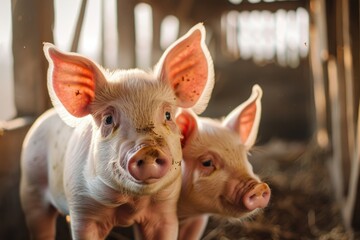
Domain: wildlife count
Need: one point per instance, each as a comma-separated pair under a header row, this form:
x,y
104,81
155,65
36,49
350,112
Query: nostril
x,y
265,194
139,163
160,161
253,197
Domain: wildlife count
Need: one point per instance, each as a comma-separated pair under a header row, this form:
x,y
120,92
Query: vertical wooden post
x,y
79,24
346,106
32,25
126,33
349,82
340,83
156,48
102,46
183,11
344,96
336,166
318,54
351,208
351,57
215,40
354,16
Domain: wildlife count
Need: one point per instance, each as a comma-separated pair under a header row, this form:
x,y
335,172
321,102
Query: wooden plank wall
x,y
335,66
351,12
30,29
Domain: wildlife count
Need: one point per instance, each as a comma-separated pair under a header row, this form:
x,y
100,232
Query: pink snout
x,y
148,165
257,197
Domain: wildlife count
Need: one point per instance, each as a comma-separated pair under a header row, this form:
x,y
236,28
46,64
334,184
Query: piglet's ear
x,y
187,123
188,68
72,80
245,118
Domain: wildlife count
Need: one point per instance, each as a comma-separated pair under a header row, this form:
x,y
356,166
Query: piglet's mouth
x,y
234,209
148,164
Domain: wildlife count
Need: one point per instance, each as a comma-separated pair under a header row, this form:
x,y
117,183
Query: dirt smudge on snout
x,y
146,129
153,153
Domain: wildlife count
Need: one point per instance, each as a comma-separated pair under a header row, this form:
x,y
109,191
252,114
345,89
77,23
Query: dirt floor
x,y
302,204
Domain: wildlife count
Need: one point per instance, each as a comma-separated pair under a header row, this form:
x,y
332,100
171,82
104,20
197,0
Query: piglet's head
x,y
135,140
217,176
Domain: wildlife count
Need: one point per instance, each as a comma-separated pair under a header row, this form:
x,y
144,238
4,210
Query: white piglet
x,y
110,153
217,177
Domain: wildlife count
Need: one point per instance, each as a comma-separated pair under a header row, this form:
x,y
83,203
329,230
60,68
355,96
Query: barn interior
x,y
303,53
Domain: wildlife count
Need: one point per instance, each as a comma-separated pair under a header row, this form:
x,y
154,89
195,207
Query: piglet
x,y
217,177
110,153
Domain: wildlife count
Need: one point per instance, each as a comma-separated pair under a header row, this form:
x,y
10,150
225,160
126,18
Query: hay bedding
x,y
302,204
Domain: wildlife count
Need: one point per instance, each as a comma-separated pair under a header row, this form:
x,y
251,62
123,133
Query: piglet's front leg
x,y
158,229
86,228
161,221
91,221
193,227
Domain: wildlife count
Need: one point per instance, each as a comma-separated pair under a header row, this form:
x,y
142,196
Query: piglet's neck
x,y
186,209
105,194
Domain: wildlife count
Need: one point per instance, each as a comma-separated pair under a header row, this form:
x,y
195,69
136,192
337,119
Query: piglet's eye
x,y
167,116
108,120
208,163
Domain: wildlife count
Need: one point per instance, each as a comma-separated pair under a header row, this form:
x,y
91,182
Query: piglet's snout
x,y
148,164
257,197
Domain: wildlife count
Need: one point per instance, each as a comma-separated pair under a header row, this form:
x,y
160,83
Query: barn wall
x,y
12,225
287,101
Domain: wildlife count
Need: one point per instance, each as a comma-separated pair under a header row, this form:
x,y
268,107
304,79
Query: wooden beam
x,y
355,41
79,24
102,46
156,50
349,79
351,207
336,166
355,187
10,145
344,92
318,56
32,25
126,33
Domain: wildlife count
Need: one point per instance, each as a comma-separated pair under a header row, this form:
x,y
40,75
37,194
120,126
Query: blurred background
x,y
303,53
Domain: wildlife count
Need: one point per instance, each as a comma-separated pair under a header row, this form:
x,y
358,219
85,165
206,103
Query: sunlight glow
x,y
144,33
264,36
7,104
169,31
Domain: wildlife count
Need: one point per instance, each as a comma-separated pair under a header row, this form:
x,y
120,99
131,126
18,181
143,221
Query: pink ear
x,y
246,121
188,68
245,118
187,124
72,79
